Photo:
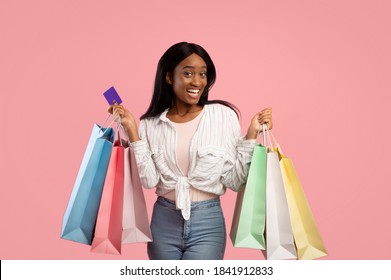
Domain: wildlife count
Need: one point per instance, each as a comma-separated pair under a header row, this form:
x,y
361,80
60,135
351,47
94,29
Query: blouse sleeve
x,y
239,156
149,175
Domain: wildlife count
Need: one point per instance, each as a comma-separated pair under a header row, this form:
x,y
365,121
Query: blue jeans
x,y
202,237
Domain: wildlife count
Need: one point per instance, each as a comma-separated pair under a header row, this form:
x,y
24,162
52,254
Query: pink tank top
x,y
184,133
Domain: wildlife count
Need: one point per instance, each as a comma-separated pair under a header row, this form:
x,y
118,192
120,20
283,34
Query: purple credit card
x,y
112,96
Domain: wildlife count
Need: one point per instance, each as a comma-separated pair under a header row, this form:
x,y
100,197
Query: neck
x,y
183,111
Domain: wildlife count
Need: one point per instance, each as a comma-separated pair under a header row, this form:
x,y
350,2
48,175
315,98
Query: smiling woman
x,y
181,61
190,149
188,82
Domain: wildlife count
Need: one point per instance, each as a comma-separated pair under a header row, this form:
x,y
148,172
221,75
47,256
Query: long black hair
x,y
163,93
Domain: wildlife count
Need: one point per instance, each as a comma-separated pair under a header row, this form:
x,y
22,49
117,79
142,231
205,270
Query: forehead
x,y
193,60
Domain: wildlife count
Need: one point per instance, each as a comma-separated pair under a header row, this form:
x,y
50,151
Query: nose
x,y
196,81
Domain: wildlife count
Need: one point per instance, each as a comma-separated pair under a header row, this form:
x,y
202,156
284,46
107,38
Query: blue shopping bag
x,y
80,216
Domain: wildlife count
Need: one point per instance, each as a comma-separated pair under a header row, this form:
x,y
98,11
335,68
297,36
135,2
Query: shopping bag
x,y
80,215
279,235
108,230
135,223
248,223
309,243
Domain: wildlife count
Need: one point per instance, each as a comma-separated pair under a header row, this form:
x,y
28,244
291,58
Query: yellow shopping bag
x,y
308,241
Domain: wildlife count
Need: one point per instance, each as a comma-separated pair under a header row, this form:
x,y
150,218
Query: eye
x,y
203,74
188,74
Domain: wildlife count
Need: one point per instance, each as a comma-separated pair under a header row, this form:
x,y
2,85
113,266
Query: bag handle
x,y
126,135
261,127
117,119
266,131
106,122
274,142
270,146
114,119
119,129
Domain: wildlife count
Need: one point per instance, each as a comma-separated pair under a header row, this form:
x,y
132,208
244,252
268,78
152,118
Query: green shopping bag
x,y
248,224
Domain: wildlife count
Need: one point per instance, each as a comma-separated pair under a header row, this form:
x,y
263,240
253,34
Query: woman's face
x,y
188,80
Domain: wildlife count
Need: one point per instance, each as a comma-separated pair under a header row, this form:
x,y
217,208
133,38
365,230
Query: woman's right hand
x,y
127,121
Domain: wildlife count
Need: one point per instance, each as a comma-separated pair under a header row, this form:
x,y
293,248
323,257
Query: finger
x,y
117,111
264,115
110,110
120,113
265,110
116,107
269,109
269,124
265,120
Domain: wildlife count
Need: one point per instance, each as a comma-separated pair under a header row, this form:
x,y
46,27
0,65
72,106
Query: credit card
x,y
112,96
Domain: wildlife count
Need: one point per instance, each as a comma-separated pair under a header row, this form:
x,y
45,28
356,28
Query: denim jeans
x,y
202,237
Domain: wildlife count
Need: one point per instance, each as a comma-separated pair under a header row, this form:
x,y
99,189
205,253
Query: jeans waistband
x,y
194,205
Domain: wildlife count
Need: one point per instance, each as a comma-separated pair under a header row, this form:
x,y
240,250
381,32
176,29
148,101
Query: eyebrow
x,y
192,67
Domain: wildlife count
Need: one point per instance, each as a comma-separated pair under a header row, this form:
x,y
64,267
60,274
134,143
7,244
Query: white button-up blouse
x,y
219,156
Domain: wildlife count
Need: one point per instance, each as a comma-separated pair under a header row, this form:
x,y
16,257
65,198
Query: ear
x,y
169,78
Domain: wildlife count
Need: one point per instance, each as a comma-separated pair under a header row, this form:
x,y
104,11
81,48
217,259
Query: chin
x,y
193,102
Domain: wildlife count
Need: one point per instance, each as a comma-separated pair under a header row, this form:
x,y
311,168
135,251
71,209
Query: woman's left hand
x,y
262,117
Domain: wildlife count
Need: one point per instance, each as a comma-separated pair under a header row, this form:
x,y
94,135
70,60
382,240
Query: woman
x,y
190,149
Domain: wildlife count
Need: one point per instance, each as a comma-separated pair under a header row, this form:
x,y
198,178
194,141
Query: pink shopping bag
x,y
136,227
108,230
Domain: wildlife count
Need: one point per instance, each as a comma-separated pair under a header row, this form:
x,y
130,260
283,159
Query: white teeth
x,y
193,90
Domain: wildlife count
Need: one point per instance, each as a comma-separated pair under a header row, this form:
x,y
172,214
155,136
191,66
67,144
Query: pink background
x,y
324,67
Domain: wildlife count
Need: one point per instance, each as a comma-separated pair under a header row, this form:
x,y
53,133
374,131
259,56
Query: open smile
x,y
193,91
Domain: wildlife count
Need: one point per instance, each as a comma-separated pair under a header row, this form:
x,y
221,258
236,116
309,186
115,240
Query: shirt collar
x,y
163,116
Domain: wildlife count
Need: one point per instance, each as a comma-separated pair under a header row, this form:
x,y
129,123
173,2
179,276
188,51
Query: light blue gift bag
x,y
80,216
